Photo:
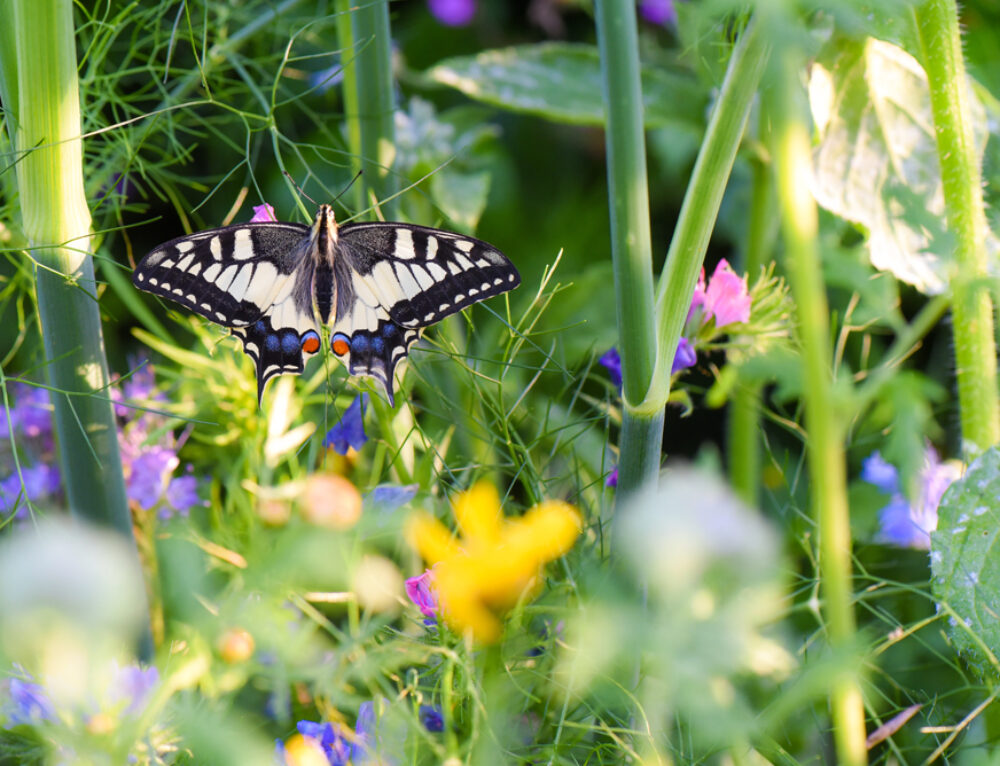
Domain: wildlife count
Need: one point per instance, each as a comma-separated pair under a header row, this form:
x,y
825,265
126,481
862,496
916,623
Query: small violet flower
x,y
330,739
902,523
684,358
658,11
263,213
612,480
453,13
30,703
29,486
431,717
349,432
420,589
725,298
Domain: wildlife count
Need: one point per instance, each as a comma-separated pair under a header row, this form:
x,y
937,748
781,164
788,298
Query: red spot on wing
x,y
340,347
311,344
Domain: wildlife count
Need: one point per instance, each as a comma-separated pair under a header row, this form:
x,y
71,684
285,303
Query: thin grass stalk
x,y
972,305
743,444
56,221
701,203
376,102
349,88
631,249
824,445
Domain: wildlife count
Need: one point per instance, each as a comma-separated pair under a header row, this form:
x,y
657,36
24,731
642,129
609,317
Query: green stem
x,y
345,38
701,203
56,221
972,305
631,248
824,445
743,437
375,102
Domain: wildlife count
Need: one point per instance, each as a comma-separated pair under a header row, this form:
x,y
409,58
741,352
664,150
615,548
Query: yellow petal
x,y
478,514
545,532
461,605
304,751
431,538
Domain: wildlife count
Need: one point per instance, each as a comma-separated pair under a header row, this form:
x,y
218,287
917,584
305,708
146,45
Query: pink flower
x,y
420,589
263,213
725,298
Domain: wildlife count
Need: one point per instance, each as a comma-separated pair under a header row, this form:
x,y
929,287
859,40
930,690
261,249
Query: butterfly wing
x,y
395,279
253,278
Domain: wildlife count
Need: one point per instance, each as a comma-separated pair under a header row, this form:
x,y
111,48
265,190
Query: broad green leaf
x,y
562,82
462,196
876,163
965,559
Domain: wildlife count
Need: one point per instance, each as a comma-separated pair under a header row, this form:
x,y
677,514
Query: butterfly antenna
x,y
349,185
301,190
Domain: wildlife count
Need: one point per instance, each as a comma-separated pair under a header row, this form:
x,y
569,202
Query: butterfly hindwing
x,y
254,278
395,279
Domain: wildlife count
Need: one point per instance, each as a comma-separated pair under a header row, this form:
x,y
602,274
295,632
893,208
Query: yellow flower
x,y
496,561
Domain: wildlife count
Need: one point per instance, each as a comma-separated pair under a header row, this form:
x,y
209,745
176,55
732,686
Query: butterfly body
x,y
376,285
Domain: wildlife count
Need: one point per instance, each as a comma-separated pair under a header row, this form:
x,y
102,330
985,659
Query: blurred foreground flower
x,y
348,432
658,11
329,744
431,717
902,523
497,561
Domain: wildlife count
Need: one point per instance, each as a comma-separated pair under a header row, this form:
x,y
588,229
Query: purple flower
x,y
132,685
31,485
364,734
389,497
31,414
903,523
150,476
431,717
263,213
684,357
658,11
726,297
182,495
420,589
612,480
139,386
349,431
612,362
330,738
31,705
453,13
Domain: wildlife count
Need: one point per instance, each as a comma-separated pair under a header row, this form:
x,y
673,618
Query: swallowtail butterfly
x,y
276,284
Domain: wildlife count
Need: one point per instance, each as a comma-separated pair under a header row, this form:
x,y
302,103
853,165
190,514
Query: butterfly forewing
x,y
382,283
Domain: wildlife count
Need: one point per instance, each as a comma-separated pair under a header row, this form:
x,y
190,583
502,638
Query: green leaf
x,y
965,560
562,82
876,164
462,196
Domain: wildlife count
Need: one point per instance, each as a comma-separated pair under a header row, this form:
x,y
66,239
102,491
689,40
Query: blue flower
x,y
431,718
349,431
31,704
685,356
612,361
134,686
903,523
389,497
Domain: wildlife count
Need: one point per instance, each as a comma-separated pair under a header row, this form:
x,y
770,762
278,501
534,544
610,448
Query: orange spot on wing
x,y
340,347
311,344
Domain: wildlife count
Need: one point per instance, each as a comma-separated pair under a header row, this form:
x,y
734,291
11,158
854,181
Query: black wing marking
x,y
392,280
254,278
420,275
230,275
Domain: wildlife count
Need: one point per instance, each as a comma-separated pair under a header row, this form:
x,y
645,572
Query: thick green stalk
x,y
824,445
631,249
972,306
743,444
57,223
345,39
375,102
701,203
